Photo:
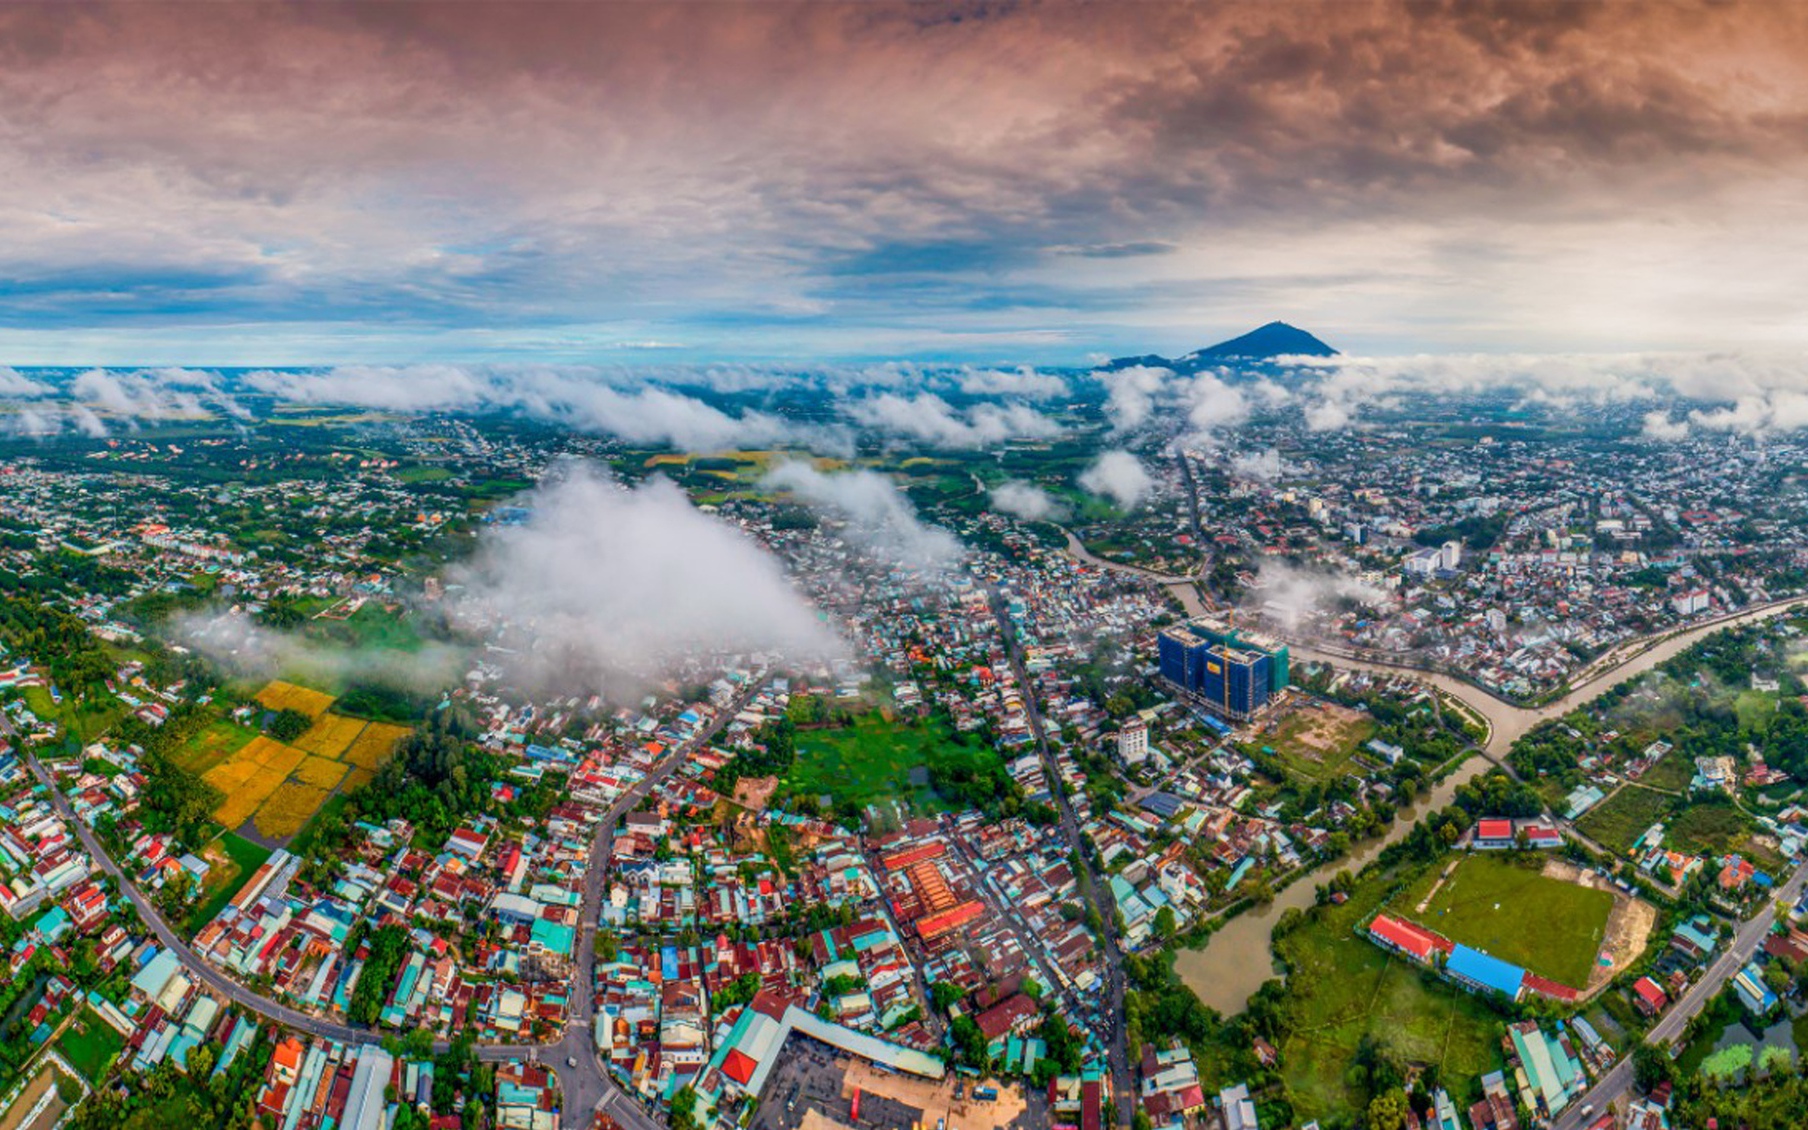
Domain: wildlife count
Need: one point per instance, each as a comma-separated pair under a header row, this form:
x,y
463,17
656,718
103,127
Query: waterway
x,y
1238,958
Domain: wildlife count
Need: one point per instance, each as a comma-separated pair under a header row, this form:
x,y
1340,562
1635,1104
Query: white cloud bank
x,y
1027,501
930,419
609,586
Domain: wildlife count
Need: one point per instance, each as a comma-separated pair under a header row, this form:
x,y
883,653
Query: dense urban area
x,y
1131,747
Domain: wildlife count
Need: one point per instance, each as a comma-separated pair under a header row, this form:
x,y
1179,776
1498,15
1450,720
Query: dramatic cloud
x,y
930,419
1264,466
1026,383
1027,501
877,515
1021,182
1119,476
604,588
1214,406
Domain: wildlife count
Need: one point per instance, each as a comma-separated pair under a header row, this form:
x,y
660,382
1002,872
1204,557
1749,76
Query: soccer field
x,y
1548,926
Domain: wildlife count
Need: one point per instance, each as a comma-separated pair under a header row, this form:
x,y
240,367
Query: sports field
x,y
1512,911
1341,989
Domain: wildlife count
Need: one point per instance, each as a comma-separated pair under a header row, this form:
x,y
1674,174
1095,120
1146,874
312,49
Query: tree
x,y
289,725
1651,1068
684,1109
1387,1111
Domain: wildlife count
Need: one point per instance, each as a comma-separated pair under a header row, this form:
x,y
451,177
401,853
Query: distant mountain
x,y
1276,339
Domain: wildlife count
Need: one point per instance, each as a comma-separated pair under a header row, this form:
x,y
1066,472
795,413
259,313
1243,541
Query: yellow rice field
x,y
330,735
321,772
289,808
279,695
374,745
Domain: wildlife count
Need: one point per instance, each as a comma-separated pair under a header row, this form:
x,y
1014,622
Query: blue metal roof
x,y
1489,972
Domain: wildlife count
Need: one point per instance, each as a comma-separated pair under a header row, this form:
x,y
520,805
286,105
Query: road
x,y
1098,891
585,1082
1614,1086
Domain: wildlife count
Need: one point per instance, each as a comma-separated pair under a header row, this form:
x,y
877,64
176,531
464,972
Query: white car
x,y
571,1061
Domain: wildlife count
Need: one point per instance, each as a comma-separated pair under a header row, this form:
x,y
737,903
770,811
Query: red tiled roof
x,y
1494,830
1416,940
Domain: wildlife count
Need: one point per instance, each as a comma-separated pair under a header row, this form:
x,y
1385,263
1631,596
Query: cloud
x,y
16,384
1294,596
1119,476
930,419
236,641
1214,406
878,516
1024,382
1131,394
1264,466
583,400
605,588
1659,426
1027,501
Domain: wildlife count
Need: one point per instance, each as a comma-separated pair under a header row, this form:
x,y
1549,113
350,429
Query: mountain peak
x,y
1276,339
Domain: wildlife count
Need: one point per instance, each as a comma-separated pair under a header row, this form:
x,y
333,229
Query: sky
x,y
993,182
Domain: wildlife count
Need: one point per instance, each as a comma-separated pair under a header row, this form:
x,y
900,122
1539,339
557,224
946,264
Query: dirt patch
x,y
1435,887
754,793
1324,728
1629,924
936,1100
36,1101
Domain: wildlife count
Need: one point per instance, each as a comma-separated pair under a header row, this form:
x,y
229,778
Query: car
x,y
571,1061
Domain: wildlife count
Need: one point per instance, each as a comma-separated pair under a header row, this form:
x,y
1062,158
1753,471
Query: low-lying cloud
x,y
1119,476
1027,501
604,588
929,419
878,516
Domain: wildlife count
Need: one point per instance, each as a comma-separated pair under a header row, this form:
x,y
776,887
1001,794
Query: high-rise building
x,y
1230,673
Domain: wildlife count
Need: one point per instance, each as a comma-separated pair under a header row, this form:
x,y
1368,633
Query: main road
x,y
584,1080
1098,892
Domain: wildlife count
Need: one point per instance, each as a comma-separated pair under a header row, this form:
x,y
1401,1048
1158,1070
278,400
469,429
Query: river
x,y
1227,970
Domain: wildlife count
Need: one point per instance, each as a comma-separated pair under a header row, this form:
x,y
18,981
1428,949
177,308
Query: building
x,y
1133,742
1648,996
1230,673
1480,972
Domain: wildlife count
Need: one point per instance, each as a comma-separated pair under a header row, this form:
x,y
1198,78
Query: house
x,y
1696,938
1406,938
1492,835
1648,996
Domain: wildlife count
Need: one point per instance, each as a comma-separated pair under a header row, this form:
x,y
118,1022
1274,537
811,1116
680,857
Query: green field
x,y
869,761
1713,830
89,1044
1509,910
233,859
1673,771
1624,817
215,743
1341,988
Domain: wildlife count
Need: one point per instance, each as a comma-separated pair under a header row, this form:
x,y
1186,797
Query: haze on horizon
x,y
317,184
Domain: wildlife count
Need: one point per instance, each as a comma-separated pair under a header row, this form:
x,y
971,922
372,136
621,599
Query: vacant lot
x,y
90,1044
1518,914
231,859
1317,740
871,760
1341,988
1624,816
1713,830
279,695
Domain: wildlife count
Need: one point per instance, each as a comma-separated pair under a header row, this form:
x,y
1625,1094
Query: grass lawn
x,y
1513,912
89,1044
232,860
215,743
1754,709
1713,830
869,761
1624,816
1673,771
1341,987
